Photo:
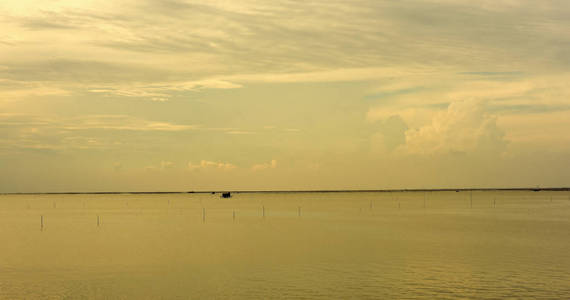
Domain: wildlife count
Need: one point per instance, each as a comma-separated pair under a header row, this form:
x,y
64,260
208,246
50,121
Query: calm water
x,y
343,245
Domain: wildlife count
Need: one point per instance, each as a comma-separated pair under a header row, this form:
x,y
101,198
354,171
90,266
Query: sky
x,y
180,95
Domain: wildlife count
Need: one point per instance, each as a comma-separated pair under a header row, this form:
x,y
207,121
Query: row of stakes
x,y
203,216
263,209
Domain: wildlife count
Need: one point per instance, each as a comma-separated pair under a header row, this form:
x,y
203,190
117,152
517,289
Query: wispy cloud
x,y
239,132
121,122
13,90
162,91
154,48
27,131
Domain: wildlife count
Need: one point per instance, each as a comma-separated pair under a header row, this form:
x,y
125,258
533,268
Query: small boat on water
x,y
226,195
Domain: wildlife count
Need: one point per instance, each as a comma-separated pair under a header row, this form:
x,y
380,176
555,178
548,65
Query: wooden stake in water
x,y
203,215
398,204
234,215
42,223
494,202
98,221
424,200
299,211
263,211
470,199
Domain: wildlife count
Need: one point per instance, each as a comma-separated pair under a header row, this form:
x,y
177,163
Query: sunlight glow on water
x,y
343,245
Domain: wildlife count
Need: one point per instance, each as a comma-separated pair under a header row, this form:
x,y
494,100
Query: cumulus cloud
x,y
464,127
264,166
206,164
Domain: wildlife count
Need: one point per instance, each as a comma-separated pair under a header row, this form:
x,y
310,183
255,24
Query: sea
x,y
480,244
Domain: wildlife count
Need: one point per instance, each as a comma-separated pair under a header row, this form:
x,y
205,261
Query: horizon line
x,y
535,189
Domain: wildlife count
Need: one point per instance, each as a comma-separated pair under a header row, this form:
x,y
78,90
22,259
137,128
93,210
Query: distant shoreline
x,y
553,189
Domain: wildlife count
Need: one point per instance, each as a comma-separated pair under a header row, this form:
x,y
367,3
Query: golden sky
x,y
152,95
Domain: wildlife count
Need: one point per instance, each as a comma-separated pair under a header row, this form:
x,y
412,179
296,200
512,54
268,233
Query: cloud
x,y
12,90
239,132
264,166
463,128
330,75
118,122
220,44
20,131
161,91
89,132
205,165
520,94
